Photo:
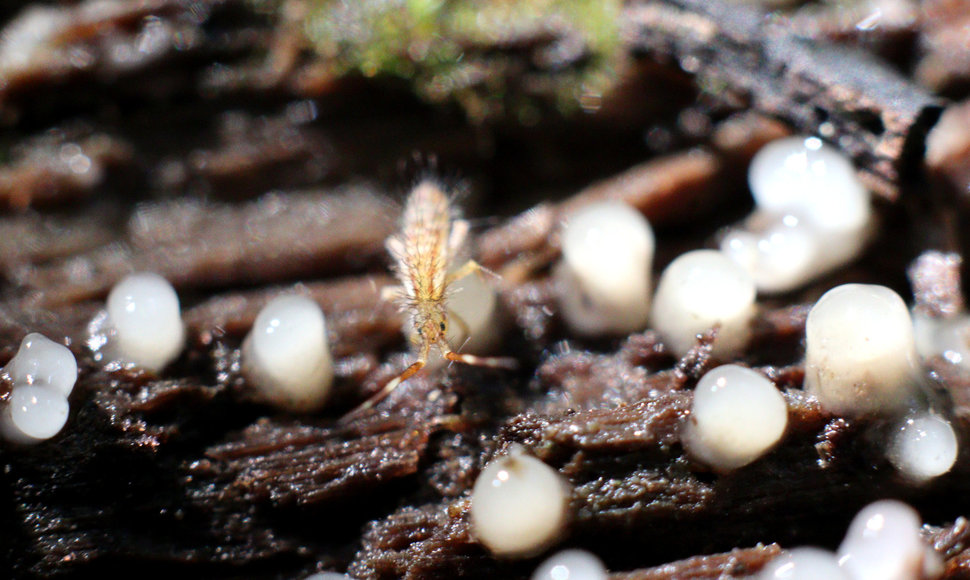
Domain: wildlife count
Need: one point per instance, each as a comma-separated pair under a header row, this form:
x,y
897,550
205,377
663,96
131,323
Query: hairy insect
x,y
430,238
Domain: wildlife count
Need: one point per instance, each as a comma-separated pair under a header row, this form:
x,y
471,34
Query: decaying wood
x,y
874,114
251,189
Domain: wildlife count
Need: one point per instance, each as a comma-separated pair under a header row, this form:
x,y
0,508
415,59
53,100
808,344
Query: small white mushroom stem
x,y
804,564
519,505
737,415
286,356
860,352
813,215
700,290
571,565
607,254
143,322
883,543
923,446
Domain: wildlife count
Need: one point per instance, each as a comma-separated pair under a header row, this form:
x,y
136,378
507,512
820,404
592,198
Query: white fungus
x,y
607,253
41,361
286,356
571,565
328,576
812,214
700,290
34,413
43,374
472,314
924,446
883,543
736,416
519,505
804,564
860,354
142,323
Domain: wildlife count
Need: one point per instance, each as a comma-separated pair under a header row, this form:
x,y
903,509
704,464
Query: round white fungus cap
x,y
805,175
607,253
923,447
860,354
34,413
699,290
143,310
571,565
883,543
472,301
780,256
41,361
804,564
737,415
519,505
286,355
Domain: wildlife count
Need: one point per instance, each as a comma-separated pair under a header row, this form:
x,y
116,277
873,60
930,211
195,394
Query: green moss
x,y
495,57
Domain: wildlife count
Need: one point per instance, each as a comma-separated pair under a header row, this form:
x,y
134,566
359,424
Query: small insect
x,y
431,237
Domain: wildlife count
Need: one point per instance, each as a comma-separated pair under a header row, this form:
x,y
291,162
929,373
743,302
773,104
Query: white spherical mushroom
x,y
472,308
41,361
883,543
519,505
813,214
607,254
144,322
804,564
860,354
286,356
571,565
804,174
924,446
700,290
33,414
736,416
43,373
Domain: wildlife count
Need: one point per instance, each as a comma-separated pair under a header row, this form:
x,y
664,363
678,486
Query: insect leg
x,y
483,361
468,268
387,390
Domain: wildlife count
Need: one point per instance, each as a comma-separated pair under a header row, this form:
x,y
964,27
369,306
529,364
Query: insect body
x,y
423,253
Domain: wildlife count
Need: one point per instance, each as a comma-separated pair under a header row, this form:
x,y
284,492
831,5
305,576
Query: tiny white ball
x,y
883,543
286,355
607,254
924,446
41,361
143,310
34,413
805,174
860,354
472,300
779,251
519,505
736,416
699,290
571,565
804,564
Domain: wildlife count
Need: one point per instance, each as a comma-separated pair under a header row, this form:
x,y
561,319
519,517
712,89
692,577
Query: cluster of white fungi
x,y
812,215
